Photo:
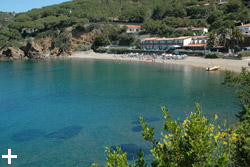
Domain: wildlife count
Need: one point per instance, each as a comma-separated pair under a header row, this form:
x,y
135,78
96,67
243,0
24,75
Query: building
x,y
29,30
196,30
245,29
134,28
185,42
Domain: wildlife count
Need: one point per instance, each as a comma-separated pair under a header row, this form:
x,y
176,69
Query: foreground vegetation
x,y
196,142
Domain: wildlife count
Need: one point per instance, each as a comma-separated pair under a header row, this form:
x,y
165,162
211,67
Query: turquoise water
x,y
64,112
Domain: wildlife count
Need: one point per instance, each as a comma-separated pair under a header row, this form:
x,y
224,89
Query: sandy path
x,y
234,65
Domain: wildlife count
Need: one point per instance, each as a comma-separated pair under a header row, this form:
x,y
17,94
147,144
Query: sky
x,y
25,5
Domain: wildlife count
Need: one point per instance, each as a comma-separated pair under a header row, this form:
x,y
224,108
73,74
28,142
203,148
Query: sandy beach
x,y
225,64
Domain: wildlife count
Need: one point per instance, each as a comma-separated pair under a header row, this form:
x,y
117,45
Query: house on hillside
x,y
245,29
133,28
196,30
28,30
185,42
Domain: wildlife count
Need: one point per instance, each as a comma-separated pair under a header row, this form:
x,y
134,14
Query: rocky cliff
x,y
45,48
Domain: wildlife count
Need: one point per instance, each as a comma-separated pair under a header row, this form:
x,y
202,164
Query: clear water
x,y
64,112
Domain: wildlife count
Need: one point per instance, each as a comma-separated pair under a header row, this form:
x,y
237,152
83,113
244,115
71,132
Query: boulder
x,y
13,53
33,50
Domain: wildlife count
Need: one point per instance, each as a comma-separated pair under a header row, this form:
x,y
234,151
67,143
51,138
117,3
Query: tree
x,y
237,35
241,145
233,6
214,16
212,40
62,42
100,40
158,12
23,18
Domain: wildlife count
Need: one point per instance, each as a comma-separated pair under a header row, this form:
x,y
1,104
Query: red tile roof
x,y
134,26
245,25
194,45
165,39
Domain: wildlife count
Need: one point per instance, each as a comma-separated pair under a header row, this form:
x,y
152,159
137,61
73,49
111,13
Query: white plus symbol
x,y
9,156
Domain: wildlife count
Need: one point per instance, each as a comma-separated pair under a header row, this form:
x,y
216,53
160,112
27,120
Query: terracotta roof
x,y
194,45
134,26
165,39
146,39
245,25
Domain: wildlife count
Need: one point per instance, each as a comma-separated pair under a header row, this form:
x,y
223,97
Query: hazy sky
x,y
25,5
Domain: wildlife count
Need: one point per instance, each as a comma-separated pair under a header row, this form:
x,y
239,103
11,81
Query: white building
x,y
29,30
187,42
134,28
245,29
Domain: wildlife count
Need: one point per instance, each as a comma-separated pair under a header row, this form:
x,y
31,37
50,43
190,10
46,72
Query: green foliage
x,y
81,47
80,23
190,52
233,6
127,40
116,158
195,142
240,132
191,143
212,55
157,17
62,42
242,82
100,40
138,15
244,53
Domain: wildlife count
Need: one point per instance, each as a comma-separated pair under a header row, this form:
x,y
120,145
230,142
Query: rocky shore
x,y
31,50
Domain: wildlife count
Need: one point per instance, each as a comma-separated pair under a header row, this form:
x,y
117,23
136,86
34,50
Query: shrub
x,y
195,142
81,47
190,52
241,146
245,53
212,55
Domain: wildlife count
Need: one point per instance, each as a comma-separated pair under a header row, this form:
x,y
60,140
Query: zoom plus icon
x,y
9,156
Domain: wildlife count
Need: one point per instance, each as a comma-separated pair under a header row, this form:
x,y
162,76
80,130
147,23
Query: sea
x,y
64,112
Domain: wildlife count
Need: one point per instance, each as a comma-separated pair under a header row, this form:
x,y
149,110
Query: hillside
x,y
5,18
158,17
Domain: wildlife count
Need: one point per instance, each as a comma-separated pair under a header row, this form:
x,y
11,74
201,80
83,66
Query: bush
x,y
190,52
81,47
212,55
195,142
245,53
241,146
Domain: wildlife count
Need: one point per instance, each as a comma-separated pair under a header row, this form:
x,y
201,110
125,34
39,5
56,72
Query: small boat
x,y
212,68
149,59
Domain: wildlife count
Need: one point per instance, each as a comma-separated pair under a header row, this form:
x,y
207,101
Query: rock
x,y
13,53
33,50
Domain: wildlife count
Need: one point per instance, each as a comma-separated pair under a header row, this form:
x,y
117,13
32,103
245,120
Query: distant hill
x,y
161,17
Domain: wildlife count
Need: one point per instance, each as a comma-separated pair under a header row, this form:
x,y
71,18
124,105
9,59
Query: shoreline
x,y
225,64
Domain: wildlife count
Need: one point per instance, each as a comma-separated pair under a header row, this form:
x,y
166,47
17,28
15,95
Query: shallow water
x,y
64,112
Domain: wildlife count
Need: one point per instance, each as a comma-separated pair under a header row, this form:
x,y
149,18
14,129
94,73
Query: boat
x,y
212,68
